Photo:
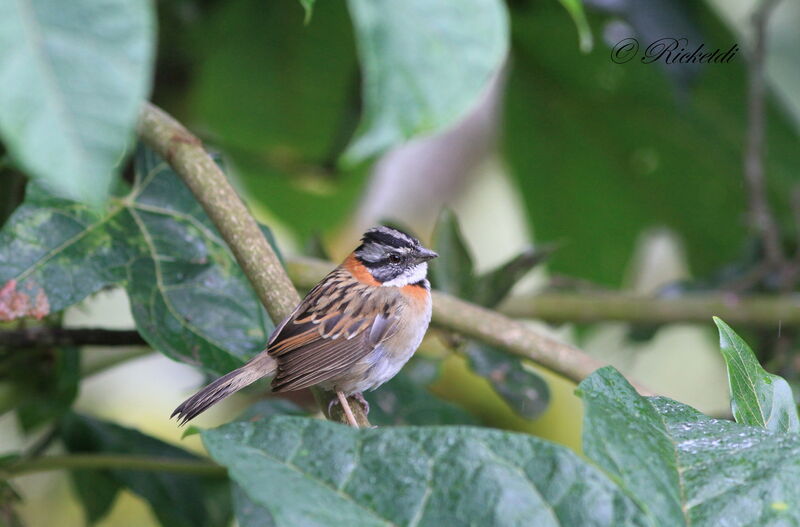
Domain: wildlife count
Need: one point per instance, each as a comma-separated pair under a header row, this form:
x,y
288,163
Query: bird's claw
x,y
360,398
357,396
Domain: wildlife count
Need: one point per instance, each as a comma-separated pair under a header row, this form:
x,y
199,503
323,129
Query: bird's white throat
x,y
410,276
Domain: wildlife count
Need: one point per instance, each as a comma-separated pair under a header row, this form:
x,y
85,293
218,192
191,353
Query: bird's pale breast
x,y
390,356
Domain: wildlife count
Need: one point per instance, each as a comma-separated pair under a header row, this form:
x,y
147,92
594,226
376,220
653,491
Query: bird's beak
x,y
423,254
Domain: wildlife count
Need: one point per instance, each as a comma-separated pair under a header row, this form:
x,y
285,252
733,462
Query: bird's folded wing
x,y
334,327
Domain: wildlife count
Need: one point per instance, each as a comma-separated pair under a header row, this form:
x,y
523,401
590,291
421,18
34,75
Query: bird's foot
x,y
351,419
358,396
341,400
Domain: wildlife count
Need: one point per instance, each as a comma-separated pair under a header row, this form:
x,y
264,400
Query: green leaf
x,y
424,63
248,513
491,288
684,468
308,7
520,387
291,110
452,272
42,383
97,491
72,78
188,296
291,82
758,398
49,384
311,472
405,400
266,408
575,10
178,500
598,195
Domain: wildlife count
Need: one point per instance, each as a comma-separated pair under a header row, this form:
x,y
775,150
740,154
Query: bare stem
x,y
45,336
113,461
185,153
753,311
761,217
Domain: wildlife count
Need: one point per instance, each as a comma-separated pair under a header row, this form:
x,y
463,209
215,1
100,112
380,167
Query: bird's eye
x,y
394,258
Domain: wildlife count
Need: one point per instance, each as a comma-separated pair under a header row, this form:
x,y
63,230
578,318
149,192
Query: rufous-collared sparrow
x,y
351,333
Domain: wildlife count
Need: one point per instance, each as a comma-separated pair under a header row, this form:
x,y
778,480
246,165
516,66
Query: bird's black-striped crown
x,y
389,237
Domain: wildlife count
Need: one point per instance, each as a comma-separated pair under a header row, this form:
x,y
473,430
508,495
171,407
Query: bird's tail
x,y
260,366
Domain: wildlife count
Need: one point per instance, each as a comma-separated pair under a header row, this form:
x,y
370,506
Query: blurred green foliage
x,y
602,150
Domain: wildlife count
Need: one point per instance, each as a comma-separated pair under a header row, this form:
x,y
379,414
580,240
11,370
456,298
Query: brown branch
x,y
185,153
754,311
761,217
43,337
485,325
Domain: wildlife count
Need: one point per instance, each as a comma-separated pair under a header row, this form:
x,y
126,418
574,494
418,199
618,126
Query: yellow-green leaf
x,y
758,398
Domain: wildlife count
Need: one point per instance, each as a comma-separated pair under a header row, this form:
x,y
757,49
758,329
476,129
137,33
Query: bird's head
x,y
393,257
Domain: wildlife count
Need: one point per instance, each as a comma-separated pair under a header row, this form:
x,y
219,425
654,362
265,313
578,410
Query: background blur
x,y
633,173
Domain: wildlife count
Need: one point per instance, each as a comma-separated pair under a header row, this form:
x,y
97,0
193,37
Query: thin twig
x,y
753,311
757,311
113,461
761,217
44,336
41,445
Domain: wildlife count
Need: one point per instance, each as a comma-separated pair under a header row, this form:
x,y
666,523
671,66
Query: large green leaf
x,y
266,408
72,77
178,500
684,468
758,398
310,472
188,296
602,151
248,513
424,63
